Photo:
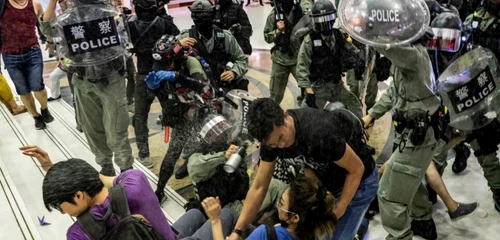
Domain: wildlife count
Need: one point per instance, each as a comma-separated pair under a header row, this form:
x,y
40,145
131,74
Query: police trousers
x,y
489,162
371,88
402,195
103,115
279,80
337,92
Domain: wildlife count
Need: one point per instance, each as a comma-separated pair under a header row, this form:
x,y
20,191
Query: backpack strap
x,y
138,40
118,202
94,228
271,232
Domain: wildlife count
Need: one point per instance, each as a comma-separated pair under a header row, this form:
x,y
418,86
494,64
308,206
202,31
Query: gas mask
x,y
203,22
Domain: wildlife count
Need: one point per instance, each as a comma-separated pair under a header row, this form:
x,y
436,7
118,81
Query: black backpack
x,y
127,227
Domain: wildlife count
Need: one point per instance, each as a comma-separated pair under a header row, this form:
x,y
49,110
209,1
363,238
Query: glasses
x,y
280,207
57,207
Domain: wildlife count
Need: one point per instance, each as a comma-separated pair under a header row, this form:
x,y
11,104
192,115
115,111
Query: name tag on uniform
x,y
474,24
317,43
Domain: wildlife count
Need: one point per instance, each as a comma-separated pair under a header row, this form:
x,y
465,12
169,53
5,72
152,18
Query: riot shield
x,y
300,30
384,23
469,88
94,37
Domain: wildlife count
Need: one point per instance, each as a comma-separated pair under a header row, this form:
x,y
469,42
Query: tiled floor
x,y
469,186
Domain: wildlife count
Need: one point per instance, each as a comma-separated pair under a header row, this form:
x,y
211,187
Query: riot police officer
x,y
231,16
169,55
145,31
323,56
228,63
412,97
484,25
445,48
98,76
278,29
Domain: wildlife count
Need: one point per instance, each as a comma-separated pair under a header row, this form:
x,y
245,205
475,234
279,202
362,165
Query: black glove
x,y
311,100
359,70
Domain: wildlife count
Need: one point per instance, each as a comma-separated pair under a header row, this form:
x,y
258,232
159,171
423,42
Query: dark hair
x,y
263,115
315,206
66,178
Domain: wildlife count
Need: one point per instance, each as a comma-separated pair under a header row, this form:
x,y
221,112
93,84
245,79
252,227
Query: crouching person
x,y
305,212
74,187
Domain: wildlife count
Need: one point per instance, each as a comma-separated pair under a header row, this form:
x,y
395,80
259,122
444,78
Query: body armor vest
x,y
225,17
218,58
283,43
490,37
325,64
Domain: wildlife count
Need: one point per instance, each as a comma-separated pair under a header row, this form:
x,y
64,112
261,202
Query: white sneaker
x,y
147,162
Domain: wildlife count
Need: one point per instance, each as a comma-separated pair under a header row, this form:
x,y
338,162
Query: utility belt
x,y
415,123
318,82
284,49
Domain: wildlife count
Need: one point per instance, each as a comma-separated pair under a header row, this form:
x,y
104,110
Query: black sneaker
x,y
182,172
496,198
432,194
462,153
47,117
108,170
463,210
39,123
425,229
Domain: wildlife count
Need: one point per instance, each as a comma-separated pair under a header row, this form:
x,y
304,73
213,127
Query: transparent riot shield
x,y
93,37
300,30
469,88
384,23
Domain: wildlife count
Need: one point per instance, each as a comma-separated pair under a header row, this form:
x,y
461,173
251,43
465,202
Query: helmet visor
x,y
445,39
324,22
202,16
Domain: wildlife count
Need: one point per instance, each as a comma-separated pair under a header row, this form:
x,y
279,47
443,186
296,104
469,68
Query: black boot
x,y
462,153
432,194
260,1
425,229
182,172
108,170
248,3
161,196
496,198
39,123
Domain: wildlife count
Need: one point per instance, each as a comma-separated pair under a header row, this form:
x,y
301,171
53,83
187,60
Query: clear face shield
x,y
324,21
215,129
384,23
445,39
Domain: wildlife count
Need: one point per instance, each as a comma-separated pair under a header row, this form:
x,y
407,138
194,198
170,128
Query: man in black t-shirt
x,y
332,149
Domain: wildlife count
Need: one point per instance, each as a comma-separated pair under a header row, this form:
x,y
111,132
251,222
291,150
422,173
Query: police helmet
x,y
145,4
166,51
492,6
447,29
201,6
323,15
